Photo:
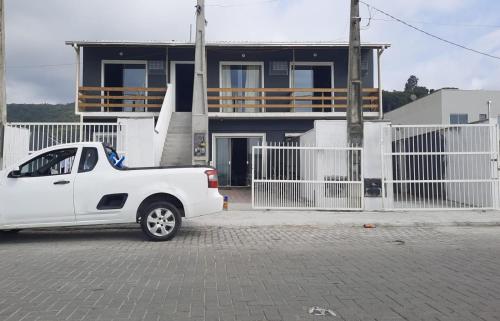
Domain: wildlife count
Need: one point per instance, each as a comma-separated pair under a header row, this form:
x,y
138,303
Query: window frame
x,y
260,64
105,62
75,149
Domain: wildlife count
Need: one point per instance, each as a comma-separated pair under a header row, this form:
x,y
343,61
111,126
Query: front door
x,y
233,160
239,162
184,81
44,192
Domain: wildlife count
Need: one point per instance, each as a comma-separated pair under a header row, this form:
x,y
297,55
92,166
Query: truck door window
x,y
88,160
57,162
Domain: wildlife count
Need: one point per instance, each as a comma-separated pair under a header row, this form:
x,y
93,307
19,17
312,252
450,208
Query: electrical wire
x,y
439,24
240,4
432,35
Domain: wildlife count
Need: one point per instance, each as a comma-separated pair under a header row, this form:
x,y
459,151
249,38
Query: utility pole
x,y
200,103
3,105
354,98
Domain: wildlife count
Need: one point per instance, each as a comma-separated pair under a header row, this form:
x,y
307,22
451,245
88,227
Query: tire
x,y
160,221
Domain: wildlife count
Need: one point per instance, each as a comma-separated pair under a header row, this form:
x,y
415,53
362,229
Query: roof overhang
x,y
222,44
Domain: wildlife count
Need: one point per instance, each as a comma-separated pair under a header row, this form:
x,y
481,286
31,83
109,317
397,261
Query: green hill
x,y
41,113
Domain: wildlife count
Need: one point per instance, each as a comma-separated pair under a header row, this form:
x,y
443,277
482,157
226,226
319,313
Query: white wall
x,y
333,133
163,123
139,141
437,107
471,102
425,110
16,145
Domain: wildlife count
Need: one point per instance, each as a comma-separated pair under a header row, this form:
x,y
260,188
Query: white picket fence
x,y
288,176
23,139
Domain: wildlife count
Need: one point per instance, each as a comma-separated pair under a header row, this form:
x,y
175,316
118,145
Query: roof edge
x,y
84,43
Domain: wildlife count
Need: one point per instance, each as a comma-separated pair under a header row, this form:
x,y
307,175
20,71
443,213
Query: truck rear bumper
x,y
211,204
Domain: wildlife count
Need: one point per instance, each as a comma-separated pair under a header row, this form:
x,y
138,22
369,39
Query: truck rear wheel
x,y
160,221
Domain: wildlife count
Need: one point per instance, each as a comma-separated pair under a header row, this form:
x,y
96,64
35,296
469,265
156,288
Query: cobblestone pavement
x,y
264,273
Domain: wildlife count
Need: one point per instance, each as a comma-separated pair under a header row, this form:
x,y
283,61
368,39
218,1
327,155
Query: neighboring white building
x,y
448,106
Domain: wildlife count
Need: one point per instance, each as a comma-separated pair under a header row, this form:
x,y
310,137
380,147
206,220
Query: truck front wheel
x,y
160,221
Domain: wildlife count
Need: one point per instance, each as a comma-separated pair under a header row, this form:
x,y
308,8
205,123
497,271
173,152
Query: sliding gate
x,y
440,167
297,177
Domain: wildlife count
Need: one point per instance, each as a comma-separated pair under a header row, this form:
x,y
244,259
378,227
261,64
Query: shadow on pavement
x,y
72,234
124,233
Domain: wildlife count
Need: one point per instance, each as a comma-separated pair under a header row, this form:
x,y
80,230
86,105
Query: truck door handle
x,y
61,182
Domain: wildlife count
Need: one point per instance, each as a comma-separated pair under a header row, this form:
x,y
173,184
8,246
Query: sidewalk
x,y
251,218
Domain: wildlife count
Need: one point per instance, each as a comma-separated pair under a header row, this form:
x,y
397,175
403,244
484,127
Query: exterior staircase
x,y
177,147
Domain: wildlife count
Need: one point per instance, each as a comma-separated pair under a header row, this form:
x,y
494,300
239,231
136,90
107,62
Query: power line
x,y
430,34
240,4
440,24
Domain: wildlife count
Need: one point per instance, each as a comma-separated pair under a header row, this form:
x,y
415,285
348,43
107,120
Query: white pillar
x,y
77,79
3,104
200,104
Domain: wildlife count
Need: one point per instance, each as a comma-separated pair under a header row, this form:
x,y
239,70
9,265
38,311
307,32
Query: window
x,y
278,68
57,162
459,119
88,160
126,74
241,75
312,76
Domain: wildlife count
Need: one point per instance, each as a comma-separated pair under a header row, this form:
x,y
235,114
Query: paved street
x,y
252,273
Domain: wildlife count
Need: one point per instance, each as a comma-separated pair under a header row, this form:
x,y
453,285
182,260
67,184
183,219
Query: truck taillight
x,y
213,180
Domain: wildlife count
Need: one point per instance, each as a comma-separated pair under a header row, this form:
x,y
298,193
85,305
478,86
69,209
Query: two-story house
x,y
257,92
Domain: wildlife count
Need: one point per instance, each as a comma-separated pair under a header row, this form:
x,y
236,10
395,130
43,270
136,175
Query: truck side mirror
x,y
15,174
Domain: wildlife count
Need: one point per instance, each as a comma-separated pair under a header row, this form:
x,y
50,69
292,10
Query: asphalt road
x,y
259,273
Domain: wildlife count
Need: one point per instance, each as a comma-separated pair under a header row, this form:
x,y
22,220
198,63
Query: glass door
x,y
314,77
244,76
253,141
223,160
134,76
130,75
233,160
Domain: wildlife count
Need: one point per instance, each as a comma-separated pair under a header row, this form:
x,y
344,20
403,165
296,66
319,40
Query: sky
x,y
41,68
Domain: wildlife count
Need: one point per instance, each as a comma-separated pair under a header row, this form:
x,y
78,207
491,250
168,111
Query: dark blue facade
x,y
94,55
276,128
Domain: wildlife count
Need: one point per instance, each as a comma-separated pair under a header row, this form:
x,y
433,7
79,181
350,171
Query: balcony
x,y
287,100
120,99
229,102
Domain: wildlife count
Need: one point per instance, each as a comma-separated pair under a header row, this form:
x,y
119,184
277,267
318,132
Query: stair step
x,y
177,148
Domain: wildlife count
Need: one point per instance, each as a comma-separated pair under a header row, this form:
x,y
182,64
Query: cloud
x,y
36,31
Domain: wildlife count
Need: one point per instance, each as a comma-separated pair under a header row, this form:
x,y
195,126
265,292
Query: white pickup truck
x,y
78,184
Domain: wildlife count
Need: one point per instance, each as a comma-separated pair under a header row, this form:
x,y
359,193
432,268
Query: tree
x,y
412,91
411,84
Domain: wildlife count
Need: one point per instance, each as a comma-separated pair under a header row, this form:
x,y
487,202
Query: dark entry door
x,y
239,161
184,80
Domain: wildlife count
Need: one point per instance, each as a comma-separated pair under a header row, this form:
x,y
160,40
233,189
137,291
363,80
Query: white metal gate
x,y
22,139
440,167
298,177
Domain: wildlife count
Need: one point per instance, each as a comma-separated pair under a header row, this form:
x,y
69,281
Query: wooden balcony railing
x,y
285,99
113,98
